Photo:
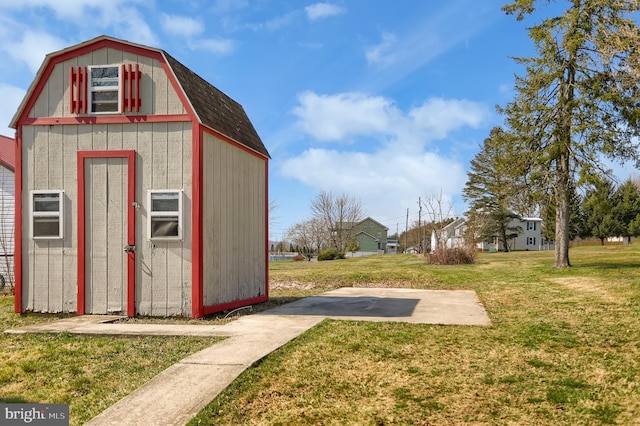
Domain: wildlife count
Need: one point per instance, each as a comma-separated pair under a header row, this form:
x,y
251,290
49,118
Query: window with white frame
x,y
104,89
47,214
531,226
531,241
165,214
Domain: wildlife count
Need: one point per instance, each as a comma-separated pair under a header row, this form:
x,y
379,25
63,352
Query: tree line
x,y
330,227
576,105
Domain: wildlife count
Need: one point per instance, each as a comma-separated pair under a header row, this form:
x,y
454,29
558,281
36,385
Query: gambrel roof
x,y
215,109
209,105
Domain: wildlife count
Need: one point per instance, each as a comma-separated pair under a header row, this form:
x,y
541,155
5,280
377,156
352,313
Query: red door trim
x,y
197,291
17,259
131,224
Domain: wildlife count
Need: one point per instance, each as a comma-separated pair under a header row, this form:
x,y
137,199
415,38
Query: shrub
x,y
298,258
452,256
330,254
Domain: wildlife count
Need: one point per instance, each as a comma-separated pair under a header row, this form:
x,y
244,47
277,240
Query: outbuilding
x,y
142,188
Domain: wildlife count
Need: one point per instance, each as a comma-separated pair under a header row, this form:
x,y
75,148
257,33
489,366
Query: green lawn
x,y
88,373
563,348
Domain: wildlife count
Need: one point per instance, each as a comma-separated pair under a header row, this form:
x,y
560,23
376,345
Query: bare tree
x,y
338,215
440,212
309,237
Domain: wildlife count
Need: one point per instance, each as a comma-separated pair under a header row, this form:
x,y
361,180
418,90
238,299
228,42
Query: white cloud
x,y
33,47
121,18
336,117
399,161
402,51
217,46
274,24
280,21
387,182
131,26
440,116
382,53
323,10
181,25
69,9
11,97
347,115
225,6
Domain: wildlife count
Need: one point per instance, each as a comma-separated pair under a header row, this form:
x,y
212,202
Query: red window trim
x,y
129,89
78,90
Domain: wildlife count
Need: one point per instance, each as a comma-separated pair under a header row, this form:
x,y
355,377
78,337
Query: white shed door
x,y
106,190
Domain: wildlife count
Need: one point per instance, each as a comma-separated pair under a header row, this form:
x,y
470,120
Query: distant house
x,y
393,246
143,188
370,235
7,207
452,235
529,237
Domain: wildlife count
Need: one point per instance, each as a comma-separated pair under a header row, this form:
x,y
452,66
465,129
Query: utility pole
x,y
419,225
406,229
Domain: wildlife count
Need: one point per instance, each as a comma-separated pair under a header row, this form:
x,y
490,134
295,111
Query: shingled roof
x,y
8,152
215,109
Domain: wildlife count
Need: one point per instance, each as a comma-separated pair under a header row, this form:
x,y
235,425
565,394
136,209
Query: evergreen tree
x,y
493,187
598,206
576,217
579,99
626,207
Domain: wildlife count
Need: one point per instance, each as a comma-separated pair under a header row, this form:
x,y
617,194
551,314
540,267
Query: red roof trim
x,y
56,58
215,133
107,119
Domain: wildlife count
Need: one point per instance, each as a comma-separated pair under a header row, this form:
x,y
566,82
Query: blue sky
x,y
384,101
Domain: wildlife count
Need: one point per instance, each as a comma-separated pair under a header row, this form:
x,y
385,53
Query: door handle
x,y
129,249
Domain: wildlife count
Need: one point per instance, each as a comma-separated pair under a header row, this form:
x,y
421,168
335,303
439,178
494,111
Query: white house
x,y
7,208
529,237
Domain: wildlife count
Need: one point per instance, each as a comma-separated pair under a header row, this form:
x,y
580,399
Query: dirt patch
x,y
587,286
299,285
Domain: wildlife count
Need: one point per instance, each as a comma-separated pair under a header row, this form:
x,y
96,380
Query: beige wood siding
x,y
164,286
163,161
234,200
156,91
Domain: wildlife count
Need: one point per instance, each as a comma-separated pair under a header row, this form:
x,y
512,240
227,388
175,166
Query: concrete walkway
x,y
177,394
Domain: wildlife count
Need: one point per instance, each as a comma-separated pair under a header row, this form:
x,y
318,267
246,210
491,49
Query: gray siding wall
x,y
163,161
234,220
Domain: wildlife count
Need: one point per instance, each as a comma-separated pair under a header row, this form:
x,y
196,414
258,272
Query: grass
x,y
88,373
563,348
